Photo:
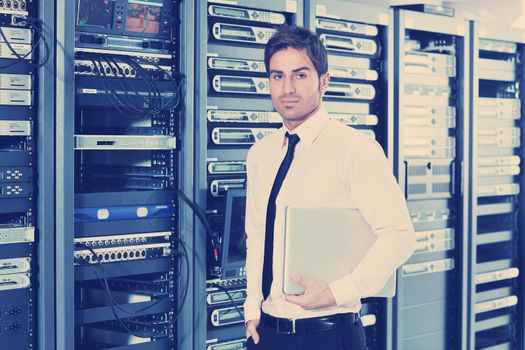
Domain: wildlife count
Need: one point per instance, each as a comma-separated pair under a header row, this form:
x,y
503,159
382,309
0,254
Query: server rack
x,y
25,172
121,228
359,43
496,285
234,111
431,130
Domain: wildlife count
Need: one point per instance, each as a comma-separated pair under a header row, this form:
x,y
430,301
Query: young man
x,y
314,161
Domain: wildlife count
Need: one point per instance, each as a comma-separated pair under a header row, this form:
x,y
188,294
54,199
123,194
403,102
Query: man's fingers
x,y
251,331
296,299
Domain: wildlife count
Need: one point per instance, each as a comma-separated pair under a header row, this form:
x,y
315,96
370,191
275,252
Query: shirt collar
x,y
309,130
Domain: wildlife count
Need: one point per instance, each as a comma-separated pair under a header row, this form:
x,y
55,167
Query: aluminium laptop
x,y
326,244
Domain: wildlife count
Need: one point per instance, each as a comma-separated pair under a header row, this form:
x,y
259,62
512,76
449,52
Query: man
x,y
314,161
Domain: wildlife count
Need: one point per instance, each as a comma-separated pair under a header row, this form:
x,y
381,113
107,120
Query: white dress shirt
x,y
334,166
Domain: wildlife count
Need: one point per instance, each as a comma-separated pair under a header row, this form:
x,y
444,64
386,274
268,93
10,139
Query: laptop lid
x,y
326,244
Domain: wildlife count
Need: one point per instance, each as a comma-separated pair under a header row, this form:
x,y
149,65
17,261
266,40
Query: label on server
x,y
16,97
16,265
496,304
15,128
234,116
435,122
354,119
498,190
10,234
501,108
426,236
246,14
430,147
120,142
16,81
225,167
239,136
435,246
497,46
351,90
227,316
354,45
499,171
346,27
498,161
500,137
22,50
219,187
241,85
428,267
16,35
14,281
235,64
243,34
430,63
500,275
353,73
422,111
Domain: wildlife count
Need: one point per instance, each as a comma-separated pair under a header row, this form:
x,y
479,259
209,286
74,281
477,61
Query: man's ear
x,y
323,82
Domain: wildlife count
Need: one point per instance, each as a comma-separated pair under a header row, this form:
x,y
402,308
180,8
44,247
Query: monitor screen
x,y
144,16
234,239
97,13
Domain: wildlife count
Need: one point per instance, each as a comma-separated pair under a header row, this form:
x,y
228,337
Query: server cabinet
x,y
358,39
496,285
234,111
431,121
124,251
25,50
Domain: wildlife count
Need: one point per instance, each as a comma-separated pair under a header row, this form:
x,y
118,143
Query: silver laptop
x,y
325,244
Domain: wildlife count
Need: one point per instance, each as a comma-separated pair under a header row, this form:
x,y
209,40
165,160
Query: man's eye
x,y
277,76
301,75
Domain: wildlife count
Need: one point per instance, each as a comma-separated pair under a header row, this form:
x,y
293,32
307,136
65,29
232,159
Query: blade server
x,y
238,112
430,120
496,187
128,255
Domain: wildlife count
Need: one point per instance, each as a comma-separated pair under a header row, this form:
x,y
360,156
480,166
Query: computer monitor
x,y
233,255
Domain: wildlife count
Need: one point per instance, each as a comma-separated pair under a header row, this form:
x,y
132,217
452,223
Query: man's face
x,y
295,87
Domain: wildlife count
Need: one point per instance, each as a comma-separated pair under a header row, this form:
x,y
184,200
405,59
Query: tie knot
x,y
293,140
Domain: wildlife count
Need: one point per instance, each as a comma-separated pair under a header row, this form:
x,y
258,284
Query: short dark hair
x,y
299,38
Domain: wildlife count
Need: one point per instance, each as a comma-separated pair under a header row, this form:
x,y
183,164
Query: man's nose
x,y
288,86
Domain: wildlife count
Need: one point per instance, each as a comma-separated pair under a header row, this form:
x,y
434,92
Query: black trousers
x,y
351,337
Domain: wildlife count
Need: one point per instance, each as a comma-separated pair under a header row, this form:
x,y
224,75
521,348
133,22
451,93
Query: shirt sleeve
x,y
254,246
378,196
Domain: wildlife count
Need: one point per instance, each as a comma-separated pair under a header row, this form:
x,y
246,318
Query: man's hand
x,y
251,330
316,294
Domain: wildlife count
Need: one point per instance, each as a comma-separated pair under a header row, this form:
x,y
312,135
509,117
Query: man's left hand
x,y
316,294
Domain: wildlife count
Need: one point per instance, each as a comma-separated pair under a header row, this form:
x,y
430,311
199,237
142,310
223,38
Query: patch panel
x,y
118,69
122,253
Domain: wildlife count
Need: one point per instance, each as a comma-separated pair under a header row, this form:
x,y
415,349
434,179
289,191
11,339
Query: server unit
x,y
496,320
431,63
235,111
128,254
357,40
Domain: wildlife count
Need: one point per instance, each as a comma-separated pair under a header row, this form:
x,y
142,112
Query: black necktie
x,y
267,276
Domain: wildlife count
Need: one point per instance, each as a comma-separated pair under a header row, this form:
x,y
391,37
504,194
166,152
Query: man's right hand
x,y
251,330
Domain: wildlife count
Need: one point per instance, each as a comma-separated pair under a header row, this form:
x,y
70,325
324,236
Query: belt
x,y
308,325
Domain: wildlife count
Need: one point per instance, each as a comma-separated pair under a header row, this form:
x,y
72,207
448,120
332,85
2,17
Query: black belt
x,y
307,325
